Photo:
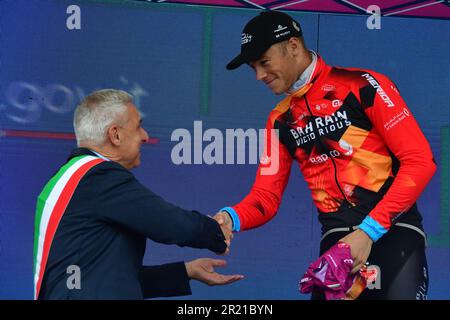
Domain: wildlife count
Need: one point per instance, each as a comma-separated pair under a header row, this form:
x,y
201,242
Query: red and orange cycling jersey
x,y
356,143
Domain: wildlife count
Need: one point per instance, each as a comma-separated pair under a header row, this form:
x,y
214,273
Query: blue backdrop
x,y
172,58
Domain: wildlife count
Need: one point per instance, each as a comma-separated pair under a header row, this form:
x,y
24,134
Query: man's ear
x,y
294,46
114,136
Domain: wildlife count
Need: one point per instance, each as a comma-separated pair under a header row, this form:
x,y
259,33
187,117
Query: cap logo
x,y
246,38
296,27
280,28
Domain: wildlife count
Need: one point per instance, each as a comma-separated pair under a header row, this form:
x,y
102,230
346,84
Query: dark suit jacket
x,y
104,229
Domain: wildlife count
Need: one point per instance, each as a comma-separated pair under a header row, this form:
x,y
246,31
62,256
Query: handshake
x,y
225,223
203,269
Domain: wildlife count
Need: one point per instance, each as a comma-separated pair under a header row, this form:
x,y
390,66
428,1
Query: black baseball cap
x,y
260,33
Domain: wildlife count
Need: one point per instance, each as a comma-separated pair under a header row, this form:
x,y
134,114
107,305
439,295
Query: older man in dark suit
x,y
93,217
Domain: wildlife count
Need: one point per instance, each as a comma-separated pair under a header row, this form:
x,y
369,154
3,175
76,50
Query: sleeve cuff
x,y
373,229
234,217
167,280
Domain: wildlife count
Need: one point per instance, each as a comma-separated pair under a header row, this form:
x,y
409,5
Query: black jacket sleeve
x,y
167,280
120,198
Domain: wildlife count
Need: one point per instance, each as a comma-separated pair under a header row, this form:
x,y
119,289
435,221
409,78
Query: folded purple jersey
x,y
330,273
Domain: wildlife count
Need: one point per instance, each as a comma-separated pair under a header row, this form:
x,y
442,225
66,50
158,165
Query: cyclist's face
x,y
277,68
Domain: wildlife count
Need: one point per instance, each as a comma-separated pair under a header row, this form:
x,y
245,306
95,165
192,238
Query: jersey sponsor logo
x,y
283,29
280,28
346,146
334,154
383,95
321,106
246,38
406,112
324,157
299,118
324,126
282,34
396,119
328,87
336,103
394,88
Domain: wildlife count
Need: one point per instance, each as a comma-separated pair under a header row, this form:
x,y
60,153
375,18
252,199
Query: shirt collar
x,y
306,76
99,155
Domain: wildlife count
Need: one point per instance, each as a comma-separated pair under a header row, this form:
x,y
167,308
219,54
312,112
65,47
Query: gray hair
x,y
97,112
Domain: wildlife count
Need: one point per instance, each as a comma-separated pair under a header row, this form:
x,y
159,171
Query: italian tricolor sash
x,y
51,204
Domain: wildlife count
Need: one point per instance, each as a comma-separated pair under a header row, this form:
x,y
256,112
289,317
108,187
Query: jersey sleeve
x,y
396,125
264,198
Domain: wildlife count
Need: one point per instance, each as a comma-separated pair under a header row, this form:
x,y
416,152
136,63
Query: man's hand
x,y
360,246
224,220
203,270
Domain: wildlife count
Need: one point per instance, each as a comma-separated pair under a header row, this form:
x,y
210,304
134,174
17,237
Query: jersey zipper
x,y
316,131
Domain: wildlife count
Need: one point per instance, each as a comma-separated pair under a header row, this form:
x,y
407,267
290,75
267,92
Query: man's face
x,y
276,68
132,136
